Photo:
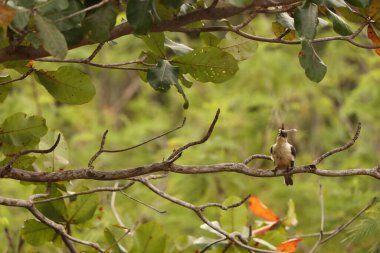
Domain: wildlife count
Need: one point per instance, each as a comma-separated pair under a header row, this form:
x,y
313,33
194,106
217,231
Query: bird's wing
x,y
293,151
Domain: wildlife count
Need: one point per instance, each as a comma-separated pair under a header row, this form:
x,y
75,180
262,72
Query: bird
x,y
283,154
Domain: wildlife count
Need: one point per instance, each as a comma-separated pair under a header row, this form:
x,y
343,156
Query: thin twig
x,y
318,243
92,7
256,156
30,71
208,246
203,207
178,151
95,52
99,189
145,204
340,149
113,206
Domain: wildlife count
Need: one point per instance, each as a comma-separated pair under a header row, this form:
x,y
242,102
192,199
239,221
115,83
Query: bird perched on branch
x,y
283,154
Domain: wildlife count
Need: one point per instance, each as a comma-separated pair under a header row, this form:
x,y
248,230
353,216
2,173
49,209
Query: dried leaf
x,y
371,33
6,15
258,208
288,246
263,230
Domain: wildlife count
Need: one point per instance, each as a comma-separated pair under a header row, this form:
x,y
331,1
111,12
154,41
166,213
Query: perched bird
x,y
283,154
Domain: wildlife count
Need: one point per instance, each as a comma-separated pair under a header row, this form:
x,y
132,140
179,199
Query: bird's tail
x,y
288,180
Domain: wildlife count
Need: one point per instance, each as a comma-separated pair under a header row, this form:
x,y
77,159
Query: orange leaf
x,y
6,15
258,208
371,33
263,230
29,64
288,246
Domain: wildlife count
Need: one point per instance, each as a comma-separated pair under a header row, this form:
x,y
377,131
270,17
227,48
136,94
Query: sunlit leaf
x,y
239,47
177,48
233,219
58,158
258,208
52,39
24,162
209,39
285,20
67,84
36,233
149,238
289,246
291,217
209,64
82,208
19,131
114,245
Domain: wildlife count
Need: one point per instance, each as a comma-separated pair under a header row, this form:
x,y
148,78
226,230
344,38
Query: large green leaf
x,y
114,245
360,3
51,6
82,208
163,75
37,233
99,23
208,64
52,39
155,42
4,88
149,238
339,25
24,162
21,20
234,219
58,158
54,210
139,15
314,67
68,23
306,20
241,48
67,84
19,132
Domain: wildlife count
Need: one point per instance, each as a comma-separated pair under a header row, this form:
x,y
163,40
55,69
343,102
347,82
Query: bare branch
x,y
113,207
208,246
95,52
30,71
256,156
203,207
203,140
145,204
340,149
318,243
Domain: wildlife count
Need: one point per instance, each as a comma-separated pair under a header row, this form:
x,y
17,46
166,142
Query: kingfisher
x,y
283,154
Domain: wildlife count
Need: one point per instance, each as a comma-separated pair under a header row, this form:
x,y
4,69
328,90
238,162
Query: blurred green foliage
x,y
269,89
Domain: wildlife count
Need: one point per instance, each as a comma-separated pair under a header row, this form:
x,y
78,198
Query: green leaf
x,y
291,217
162,76
67,85
155,42
209,39
51,6
314,67
241,48
19,131
21,20
208,64
68,23
349,15
335,3
177,48
5,88
359,3
339,26
82,208
285,20
306,20
99,23
37,233
180,91
23,162
33,39
52,39
54,210
24,3
185,81
233,219
139,15
58,158
114,245
149,238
